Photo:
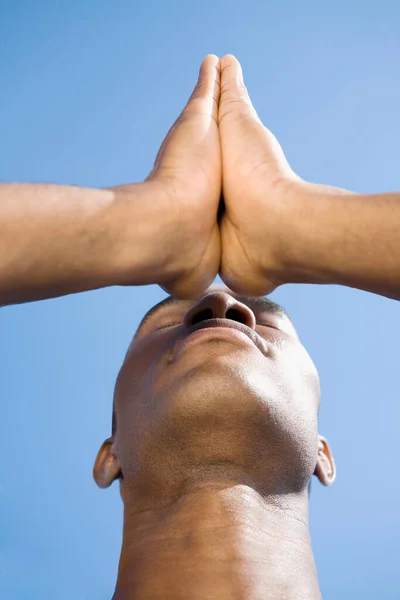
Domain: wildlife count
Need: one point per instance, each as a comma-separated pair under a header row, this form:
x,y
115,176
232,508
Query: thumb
x,y
234,99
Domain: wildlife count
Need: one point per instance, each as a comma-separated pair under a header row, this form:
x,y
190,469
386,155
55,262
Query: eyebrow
x,y
261,301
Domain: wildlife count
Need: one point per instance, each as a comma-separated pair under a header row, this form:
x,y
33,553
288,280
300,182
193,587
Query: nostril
x,y
236,315
202,316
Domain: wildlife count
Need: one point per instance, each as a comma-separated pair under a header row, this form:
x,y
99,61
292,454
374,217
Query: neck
x,y
218,540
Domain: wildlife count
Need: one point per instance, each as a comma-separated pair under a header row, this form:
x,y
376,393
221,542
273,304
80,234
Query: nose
x,y
219,305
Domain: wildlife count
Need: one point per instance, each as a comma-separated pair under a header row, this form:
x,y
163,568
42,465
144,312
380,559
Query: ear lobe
x,y
106,467
325,469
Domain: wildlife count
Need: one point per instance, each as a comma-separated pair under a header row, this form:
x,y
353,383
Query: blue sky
x,y
89,90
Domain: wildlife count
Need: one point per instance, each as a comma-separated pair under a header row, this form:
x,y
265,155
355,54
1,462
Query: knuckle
x,y
236,88
200,88
234,109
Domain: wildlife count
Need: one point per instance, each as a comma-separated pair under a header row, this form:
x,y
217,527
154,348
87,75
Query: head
x,y
223,403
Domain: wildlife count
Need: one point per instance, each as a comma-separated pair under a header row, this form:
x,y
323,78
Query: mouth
x,y
223,328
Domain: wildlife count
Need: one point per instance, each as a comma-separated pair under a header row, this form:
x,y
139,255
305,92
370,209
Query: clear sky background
x,y
88,92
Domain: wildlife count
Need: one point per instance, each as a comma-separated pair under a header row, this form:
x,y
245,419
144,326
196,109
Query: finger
x,y
206,95
203,102
234,97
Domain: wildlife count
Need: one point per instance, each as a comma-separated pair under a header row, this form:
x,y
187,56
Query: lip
x,y
223,328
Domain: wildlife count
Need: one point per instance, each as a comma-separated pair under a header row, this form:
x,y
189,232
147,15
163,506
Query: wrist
x,y
313,244
143,233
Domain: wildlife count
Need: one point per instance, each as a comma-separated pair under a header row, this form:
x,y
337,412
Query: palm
x,y
244,247
253,167
189,167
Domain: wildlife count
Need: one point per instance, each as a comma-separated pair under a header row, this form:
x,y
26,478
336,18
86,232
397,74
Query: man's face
x,y
198,401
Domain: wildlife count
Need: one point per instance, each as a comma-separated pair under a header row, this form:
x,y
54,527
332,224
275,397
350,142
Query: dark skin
x,y
214,443
217,160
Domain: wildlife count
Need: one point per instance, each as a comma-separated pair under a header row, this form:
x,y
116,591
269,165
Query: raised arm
x,y
61,239
343,238
280,229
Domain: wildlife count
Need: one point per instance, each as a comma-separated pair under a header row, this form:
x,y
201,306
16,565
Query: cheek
x,y
301,383
133,388
296,408
297,368
127,397
138,366
291,382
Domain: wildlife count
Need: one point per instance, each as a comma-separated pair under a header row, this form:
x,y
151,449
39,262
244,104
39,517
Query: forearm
x,y
347,239
61,239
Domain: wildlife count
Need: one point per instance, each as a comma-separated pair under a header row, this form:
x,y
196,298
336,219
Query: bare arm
x,y
279,229
61,239
347,239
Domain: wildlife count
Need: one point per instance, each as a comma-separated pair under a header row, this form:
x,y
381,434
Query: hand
x,y
187,177
259,189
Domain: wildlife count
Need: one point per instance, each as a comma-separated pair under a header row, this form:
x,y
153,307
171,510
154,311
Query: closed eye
x,y
268,325
168,325
173,324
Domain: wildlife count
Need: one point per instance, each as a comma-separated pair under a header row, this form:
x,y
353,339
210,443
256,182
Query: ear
x,y
106,467
325,469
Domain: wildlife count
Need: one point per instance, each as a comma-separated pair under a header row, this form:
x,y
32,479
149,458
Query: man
x,y
215,430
